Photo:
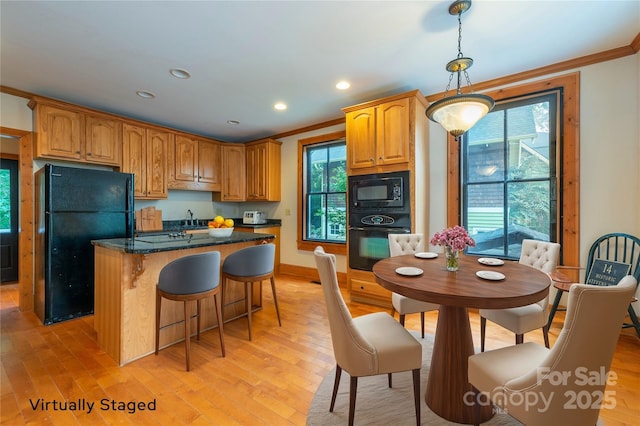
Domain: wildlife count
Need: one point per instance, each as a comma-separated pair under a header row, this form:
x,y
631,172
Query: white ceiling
x,y
245,56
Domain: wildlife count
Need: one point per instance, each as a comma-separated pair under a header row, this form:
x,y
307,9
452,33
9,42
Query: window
x,y
323,182
567,160
508,166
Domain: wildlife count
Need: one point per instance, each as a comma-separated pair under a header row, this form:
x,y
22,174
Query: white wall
x,y
609,175
609,150
15,113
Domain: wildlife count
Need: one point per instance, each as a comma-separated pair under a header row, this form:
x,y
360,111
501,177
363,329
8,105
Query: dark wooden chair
x,y
613,247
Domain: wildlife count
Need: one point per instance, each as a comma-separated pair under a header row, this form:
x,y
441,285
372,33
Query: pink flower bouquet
x,y
456,238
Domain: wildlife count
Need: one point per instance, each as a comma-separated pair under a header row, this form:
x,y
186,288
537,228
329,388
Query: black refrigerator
x,y
73,207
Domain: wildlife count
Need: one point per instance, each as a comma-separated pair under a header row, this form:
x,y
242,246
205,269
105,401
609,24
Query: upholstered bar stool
x,y
186,279
249,265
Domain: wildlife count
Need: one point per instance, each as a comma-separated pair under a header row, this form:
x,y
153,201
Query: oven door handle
x,y
382,229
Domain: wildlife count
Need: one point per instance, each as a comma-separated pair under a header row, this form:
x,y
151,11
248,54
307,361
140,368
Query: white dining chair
x,y
367,345
564,385
400,244
544,256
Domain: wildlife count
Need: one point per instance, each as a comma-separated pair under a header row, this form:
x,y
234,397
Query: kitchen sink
x,y
170,238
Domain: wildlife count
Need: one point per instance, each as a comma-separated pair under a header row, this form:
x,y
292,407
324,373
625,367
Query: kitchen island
x,y
126,275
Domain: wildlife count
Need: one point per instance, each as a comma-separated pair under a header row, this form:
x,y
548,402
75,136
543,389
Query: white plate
x,y
409,271
490,275
491,261
426,255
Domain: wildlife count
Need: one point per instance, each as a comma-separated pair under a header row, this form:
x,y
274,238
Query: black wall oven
x,y
379,205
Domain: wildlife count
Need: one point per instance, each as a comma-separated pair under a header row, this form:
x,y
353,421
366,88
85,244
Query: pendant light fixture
x,y
460,112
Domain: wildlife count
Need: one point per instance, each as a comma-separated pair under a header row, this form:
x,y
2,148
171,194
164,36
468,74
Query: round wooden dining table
x,y
448,388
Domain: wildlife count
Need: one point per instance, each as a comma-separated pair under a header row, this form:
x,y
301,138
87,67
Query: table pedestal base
x,y
449,393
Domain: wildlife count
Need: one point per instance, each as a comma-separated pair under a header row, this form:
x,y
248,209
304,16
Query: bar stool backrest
x,y
251,261
191,274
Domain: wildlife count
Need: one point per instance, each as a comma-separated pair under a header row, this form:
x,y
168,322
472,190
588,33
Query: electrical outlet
x,y
287,212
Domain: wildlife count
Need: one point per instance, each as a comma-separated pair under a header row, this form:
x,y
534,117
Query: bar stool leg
x,y
198,319
248,296
275,299
219,316
158,305
187,333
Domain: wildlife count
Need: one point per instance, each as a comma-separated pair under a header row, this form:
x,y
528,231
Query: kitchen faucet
x,y
190,220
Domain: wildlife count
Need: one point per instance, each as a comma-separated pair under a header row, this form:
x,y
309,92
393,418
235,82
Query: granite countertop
x,y
179,226
145,244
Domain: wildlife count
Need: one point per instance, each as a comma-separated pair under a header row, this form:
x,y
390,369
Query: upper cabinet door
x,y
264,170
103,140
185,159
157,143
134,143
392,132
209,162
233,172
361,137
257,177
58,132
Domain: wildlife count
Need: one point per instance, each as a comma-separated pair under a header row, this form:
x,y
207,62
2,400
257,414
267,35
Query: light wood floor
x,y
269,381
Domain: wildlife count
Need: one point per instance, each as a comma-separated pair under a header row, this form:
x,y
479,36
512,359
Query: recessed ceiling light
x,y
145,94
280,106
233,122
343,85
180,73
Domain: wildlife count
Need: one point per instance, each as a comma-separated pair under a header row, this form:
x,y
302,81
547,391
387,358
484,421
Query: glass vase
x,y
452,258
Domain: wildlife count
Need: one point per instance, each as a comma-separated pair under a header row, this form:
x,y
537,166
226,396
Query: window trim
x,y
335,248
569,232
553,97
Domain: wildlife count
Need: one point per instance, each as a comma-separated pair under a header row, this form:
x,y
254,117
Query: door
x,y
9,220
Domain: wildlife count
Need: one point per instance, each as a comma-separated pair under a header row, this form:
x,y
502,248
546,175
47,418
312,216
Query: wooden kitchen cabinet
x,y
58,131
233,173
194,164
263,170
103,140
389,135
380,134
209,163
145,155
66,132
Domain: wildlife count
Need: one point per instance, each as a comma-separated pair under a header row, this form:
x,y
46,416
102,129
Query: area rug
x,y
377,404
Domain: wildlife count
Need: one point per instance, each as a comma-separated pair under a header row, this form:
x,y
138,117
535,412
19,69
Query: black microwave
x,y
379,191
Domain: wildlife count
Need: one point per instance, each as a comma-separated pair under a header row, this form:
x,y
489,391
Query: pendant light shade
x,y
460,112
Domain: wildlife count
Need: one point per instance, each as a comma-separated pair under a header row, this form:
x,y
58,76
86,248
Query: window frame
x,y
329,247
568,158
554,98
